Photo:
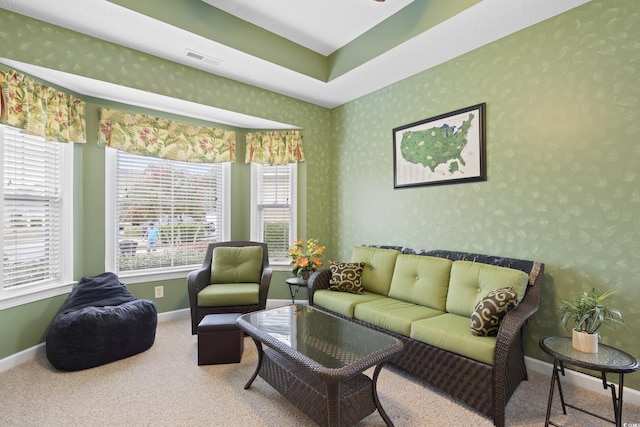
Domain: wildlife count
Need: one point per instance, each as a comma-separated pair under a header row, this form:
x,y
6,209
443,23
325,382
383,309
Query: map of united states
x,y
435,146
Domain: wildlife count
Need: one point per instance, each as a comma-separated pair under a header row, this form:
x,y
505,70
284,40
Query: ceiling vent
x,y
202,57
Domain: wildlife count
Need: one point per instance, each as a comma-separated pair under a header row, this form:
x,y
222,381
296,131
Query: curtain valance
x,y
274,147
156,137
40,110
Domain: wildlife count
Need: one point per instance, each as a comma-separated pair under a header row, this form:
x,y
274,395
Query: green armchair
x,y
234,278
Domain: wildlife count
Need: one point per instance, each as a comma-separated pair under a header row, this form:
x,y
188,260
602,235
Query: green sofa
x,y
460,315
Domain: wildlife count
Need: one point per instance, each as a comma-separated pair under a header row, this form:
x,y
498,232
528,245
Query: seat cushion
x,y
392,314
341,302
422,280
229,294
236,264
451,332
472,281
378,267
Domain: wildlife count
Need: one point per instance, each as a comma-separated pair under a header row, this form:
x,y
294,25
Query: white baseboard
x,y
273,303
584,381
21,357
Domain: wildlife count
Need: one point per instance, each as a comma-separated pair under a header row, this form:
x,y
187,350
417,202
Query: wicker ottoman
x,y
219,339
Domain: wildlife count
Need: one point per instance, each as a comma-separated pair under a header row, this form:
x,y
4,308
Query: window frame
x,y
256,235
143,276
25,294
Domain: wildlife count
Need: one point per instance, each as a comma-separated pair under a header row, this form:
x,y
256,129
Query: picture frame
x,y
445,149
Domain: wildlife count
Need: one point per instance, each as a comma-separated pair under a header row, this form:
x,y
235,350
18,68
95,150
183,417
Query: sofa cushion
x,y
421,280
471,281
378,267
486,318
346,277
236,264
451,332
392,314
341,302
226,294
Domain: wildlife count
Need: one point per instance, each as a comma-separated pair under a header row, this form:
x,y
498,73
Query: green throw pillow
x,y
346,277
486,318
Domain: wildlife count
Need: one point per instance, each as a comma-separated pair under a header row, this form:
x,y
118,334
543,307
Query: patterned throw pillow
x,y
489,312
346,277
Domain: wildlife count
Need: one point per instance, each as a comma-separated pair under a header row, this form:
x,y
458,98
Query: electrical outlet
x,y
159,291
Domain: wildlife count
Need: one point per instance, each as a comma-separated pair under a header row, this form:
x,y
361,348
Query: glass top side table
x,y
295,283
607,360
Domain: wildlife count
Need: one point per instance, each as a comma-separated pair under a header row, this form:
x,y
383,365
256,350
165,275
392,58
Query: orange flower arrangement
x,y
305,259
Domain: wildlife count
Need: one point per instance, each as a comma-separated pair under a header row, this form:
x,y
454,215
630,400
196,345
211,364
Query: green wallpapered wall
x,y
562,125
22,38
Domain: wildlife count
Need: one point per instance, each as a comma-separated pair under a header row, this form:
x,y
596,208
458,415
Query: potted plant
x,y
589,313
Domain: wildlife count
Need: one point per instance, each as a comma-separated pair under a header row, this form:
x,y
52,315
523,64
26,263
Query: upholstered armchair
x,y
234,278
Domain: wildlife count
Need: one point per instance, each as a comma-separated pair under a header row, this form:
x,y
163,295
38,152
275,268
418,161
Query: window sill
x,y
14,298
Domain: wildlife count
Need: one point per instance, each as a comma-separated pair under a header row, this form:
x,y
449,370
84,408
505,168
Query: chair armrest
x,y
265,282
197,280
318,280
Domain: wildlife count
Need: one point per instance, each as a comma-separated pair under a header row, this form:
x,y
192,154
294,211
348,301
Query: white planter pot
x,y
582,341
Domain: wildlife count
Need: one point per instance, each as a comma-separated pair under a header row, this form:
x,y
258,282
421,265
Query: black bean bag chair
x,y
100,322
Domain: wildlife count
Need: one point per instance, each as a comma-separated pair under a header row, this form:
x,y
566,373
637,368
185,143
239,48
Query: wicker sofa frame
x,y
485,388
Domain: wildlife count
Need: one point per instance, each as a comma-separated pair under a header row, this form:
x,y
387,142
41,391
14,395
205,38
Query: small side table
x,y
606,360
295,283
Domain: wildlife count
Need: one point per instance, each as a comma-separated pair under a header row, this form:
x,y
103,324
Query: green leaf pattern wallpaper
x,y
563,188
562,127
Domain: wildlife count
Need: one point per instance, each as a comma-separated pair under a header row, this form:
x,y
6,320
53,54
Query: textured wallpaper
x,y
563,128
562,152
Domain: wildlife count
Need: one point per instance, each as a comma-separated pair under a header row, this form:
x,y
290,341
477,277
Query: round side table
x,y
295,283
607,360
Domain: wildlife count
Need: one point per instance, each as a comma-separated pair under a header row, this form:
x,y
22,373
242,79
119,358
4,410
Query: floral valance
x,y
40,110
156,137
274,147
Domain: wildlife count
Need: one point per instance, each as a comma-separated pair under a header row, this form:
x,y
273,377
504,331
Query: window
x,y
36,239
165,213
273,198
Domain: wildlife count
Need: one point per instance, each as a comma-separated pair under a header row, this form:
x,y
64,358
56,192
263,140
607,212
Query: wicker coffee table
x,y
317,361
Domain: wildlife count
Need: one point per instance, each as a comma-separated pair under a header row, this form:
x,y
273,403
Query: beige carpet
x,y
164,386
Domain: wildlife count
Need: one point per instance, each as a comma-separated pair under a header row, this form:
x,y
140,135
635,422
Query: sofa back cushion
x,y
378,267
421,280
471,281
236,264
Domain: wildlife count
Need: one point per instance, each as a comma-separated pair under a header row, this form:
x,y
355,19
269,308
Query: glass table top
x,y
327,340
607,358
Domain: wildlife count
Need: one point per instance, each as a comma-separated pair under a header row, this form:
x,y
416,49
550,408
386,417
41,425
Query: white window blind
x,y
182,200
274,208
32,237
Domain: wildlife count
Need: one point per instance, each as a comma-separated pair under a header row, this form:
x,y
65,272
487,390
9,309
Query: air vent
x,y
201,57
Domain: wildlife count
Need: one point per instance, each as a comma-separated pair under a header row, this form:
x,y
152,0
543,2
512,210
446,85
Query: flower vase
x,y
304,274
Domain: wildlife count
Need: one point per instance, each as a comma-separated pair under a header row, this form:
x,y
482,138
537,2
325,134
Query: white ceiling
x,y
323,26
481,24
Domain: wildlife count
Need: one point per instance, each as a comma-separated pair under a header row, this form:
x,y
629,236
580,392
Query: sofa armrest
x,y
510,335
318,280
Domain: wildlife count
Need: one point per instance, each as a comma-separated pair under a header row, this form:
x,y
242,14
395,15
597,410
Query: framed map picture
x,y
445,149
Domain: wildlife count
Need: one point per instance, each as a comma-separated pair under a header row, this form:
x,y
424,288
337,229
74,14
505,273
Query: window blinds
x,y
32,210
182,200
